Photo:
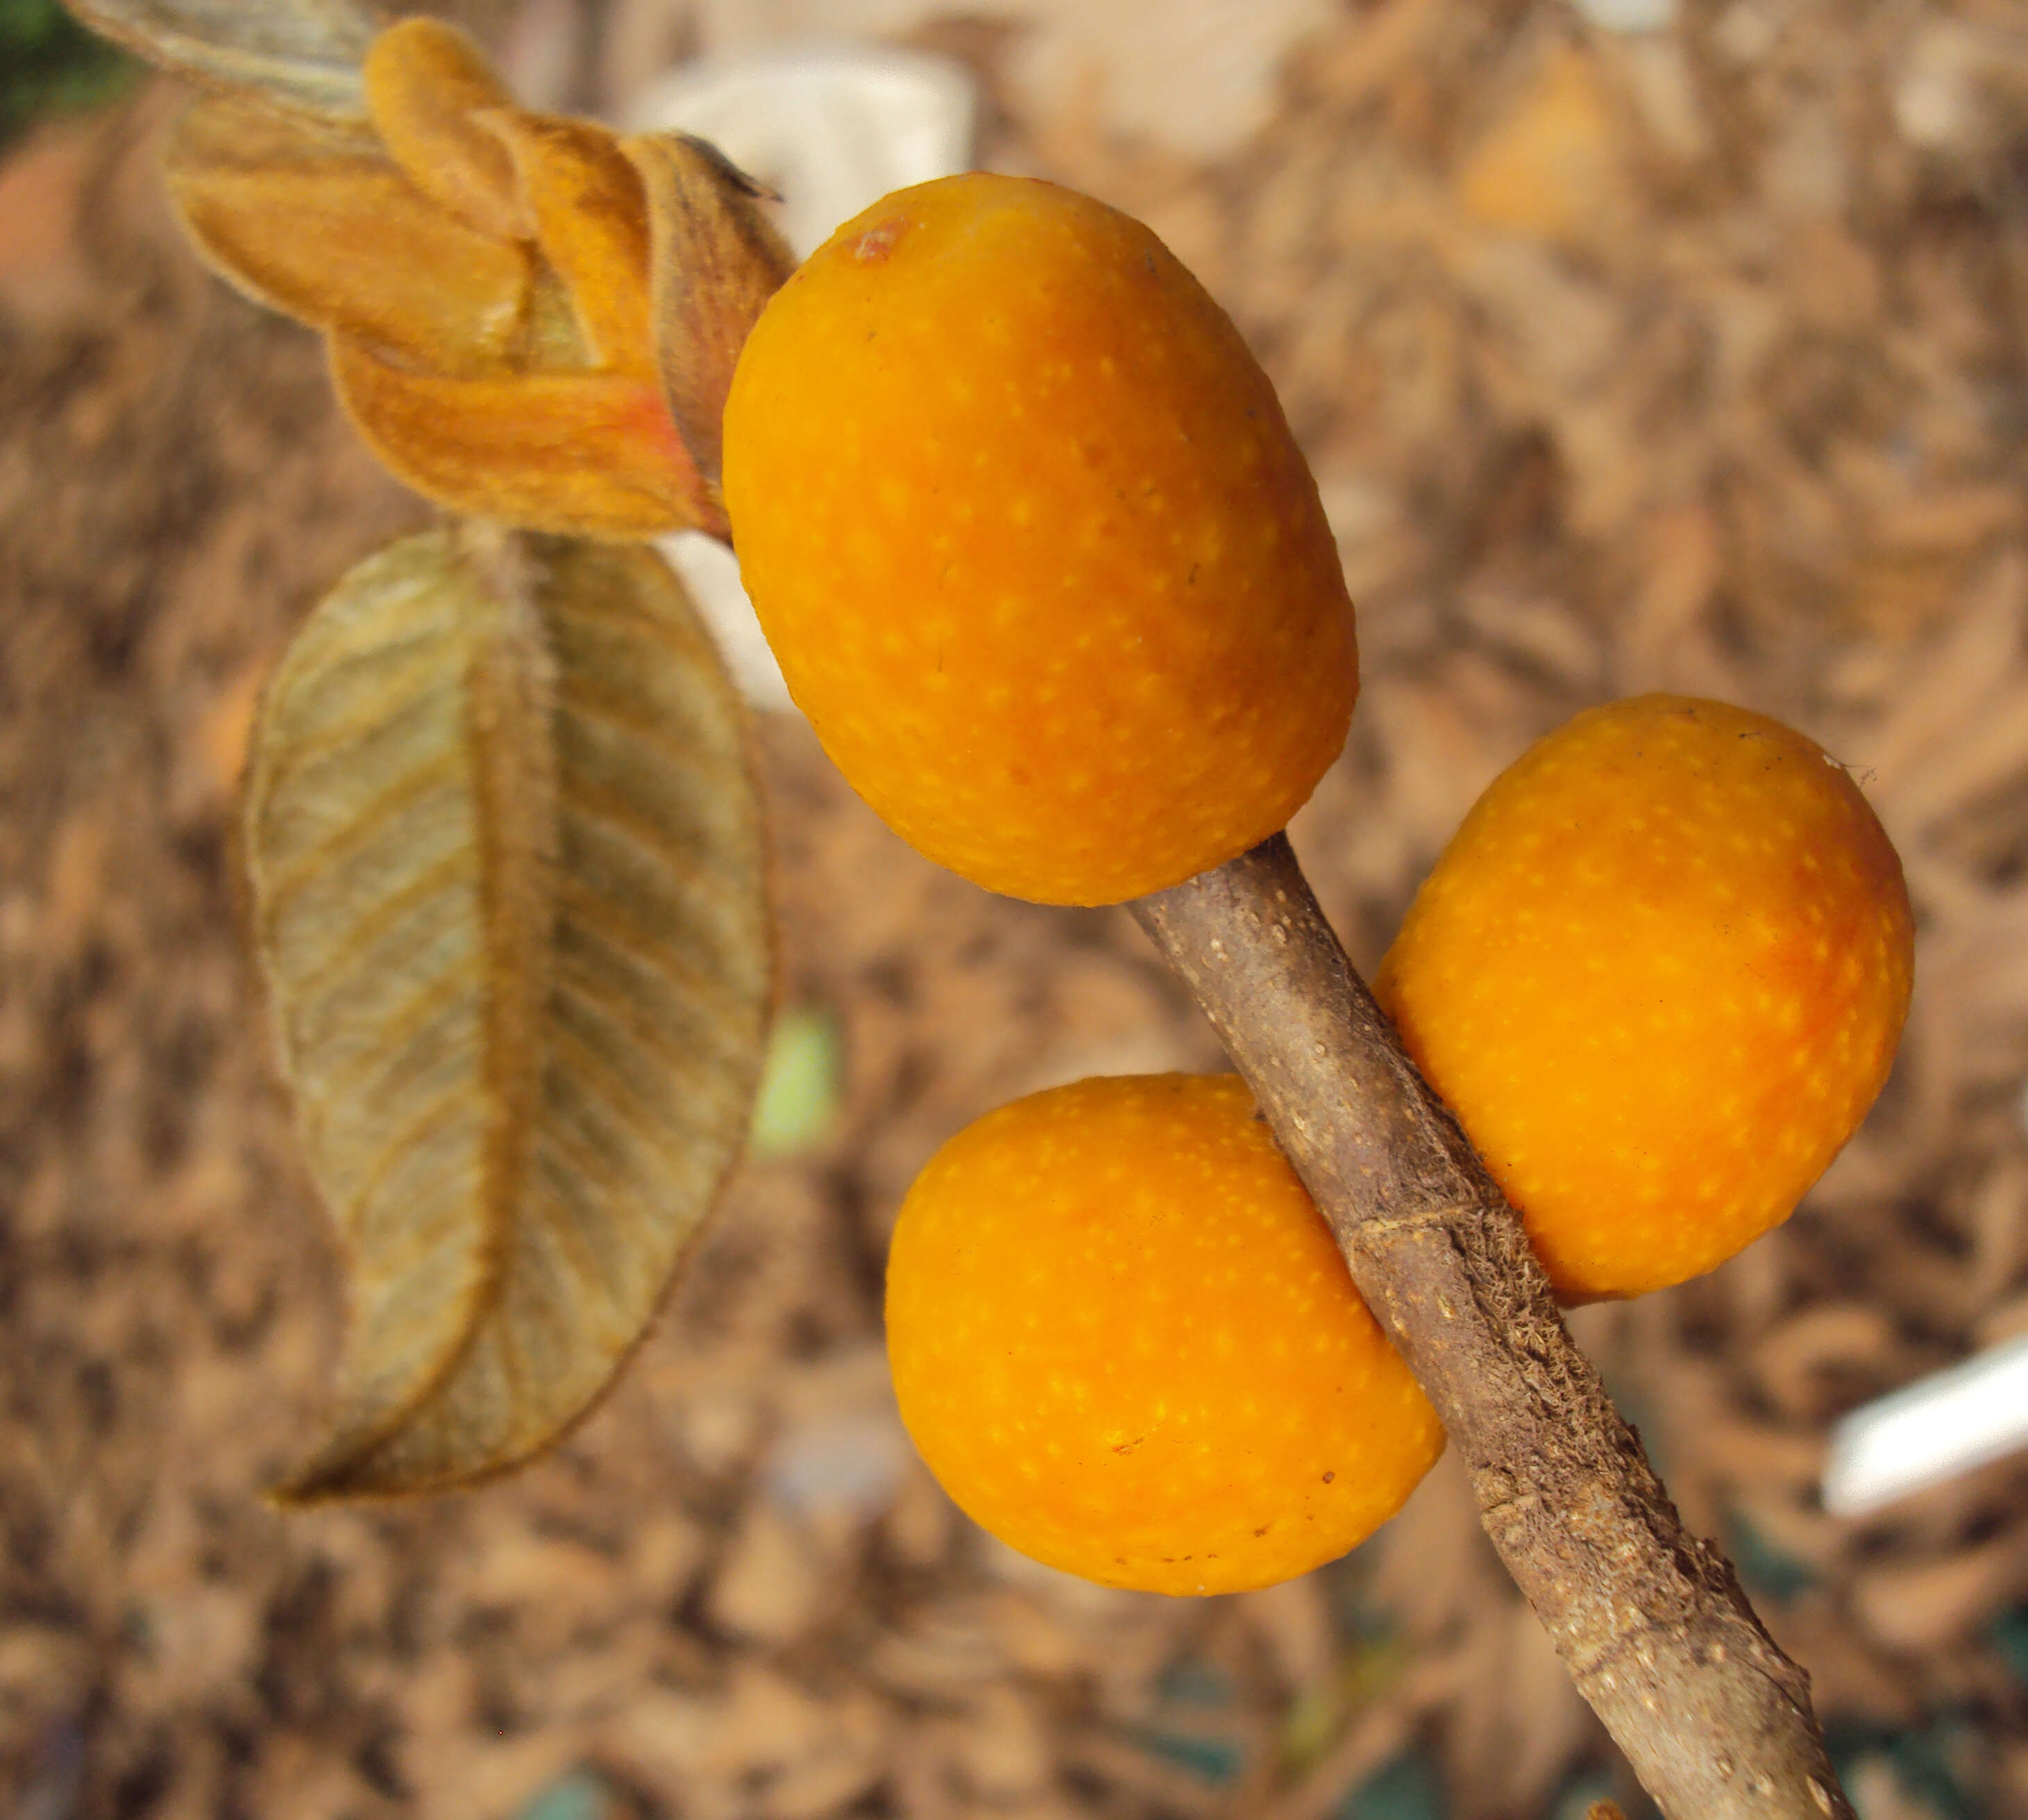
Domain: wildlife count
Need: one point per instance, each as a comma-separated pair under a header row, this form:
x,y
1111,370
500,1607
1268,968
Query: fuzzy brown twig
x,y
1650,1621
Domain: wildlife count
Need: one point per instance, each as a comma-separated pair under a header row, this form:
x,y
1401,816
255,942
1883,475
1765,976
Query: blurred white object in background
x,y
831,128
1199,79
1950,1423
1932,1429
1630,15
711,572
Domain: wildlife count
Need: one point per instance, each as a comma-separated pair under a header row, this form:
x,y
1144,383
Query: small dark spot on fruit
x,y
1264,1528
1328,1477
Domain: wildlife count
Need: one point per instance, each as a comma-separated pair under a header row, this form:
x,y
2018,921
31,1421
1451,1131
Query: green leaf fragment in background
x,y
1764,1566
801,1086
1211,1759
1190,1682
1406,1789
580,1795
1189,1693
50,64
1578,1797
1914,1772
2008,1635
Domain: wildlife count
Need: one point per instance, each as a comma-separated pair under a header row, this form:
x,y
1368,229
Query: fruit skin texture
x,y
1125,1342
1024,523
1658,974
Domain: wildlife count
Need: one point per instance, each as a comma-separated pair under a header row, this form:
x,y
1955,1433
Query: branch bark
x,y
1649,1620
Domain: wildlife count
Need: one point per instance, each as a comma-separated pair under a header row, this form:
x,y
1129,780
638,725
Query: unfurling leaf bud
x,y
530,319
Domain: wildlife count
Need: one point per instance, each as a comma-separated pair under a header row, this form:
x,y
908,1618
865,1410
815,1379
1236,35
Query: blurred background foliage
x,y
50,64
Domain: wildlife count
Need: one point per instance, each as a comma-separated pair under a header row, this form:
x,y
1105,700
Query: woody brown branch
x,y
1650,1621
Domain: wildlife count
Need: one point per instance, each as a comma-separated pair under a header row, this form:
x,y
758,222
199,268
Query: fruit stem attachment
x,y
1650,1621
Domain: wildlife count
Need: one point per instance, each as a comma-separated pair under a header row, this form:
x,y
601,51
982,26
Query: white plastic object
x,y
1630,16
711,572
1929,1431
831,128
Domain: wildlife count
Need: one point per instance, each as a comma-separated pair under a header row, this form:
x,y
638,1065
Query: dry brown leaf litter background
x,y
1742,417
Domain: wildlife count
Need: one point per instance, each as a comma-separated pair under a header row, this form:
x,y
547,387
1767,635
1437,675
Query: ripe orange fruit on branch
x,y
1026,529
1124,1341
1658,974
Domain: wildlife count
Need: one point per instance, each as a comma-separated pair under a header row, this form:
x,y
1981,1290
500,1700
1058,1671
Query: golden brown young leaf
x,y
529,319
591,223
715,261
310,216
508,885
302,53
425,81
590,454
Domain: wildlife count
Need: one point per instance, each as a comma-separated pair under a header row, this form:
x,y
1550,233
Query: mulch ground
x,y
1692,361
